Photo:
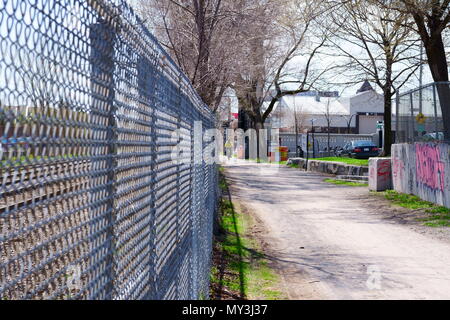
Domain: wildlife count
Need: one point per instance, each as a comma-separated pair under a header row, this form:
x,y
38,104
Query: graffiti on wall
x,y
398,167
429,167
384,170
397,171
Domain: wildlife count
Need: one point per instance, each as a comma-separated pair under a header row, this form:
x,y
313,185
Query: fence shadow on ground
x,y
234,257
222,256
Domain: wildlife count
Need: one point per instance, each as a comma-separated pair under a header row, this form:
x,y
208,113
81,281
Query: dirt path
x,y
334,242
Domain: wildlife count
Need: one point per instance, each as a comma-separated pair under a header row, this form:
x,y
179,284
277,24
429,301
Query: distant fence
x,y
321,141
93,204
418,113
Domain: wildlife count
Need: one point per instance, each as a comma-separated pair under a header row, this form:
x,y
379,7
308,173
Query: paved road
x,y
331,244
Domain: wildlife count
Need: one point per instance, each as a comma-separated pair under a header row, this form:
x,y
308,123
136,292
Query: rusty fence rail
x,y
93,202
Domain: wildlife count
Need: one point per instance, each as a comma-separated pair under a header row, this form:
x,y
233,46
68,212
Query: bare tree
x,y
299,117
274,44
349,119
200,36
378,46
328,119
431,20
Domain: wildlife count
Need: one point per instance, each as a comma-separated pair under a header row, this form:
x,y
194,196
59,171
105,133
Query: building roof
x,y
365,87
311,105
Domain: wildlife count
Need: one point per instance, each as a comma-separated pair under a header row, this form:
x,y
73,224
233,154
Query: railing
x,y
93,202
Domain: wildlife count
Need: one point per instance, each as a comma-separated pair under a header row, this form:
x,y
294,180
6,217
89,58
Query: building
x,y
358,114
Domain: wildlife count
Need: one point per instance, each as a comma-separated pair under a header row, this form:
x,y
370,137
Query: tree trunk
x,y
328,142
260,145
437,61
443,90
387,121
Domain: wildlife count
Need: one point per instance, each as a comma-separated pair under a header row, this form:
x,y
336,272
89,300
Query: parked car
x,y
360,150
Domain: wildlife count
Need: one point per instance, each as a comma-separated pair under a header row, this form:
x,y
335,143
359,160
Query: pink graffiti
x,y
430,169
384,170
397,169
372,173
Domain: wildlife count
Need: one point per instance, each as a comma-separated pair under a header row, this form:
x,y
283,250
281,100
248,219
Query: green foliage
x,y
268,161
346,183
407,200
246,269
440,216
439,223
356,162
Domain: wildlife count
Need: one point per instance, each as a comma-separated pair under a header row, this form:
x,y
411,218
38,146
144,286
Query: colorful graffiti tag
x,y
429,167
384,169
397,171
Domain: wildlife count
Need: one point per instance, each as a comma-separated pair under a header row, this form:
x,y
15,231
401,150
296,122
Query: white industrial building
x,y
357,114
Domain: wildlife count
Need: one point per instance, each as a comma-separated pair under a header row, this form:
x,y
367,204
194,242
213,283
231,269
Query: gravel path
x,y
337,242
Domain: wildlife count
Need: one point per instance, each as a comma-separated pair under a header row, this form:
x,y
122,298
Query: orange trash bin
x,y
284,153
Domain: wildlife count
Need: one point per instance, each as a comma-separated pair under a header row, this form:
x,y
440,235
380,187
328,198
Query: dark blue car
x,y
360,150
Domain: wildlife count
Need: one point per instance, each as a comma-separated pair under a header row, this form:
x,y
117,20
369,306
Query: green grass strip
x,y
346,183
439,215
246,268
356,162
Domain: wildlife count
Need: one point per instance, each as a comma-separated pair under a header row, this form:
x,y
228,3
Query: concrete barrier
x,y
300,162
334,168
380,174
422,169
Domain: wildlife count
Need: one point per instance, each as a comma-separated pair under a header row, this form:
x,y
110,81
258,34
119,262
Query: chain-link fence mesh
x,y
93,202
419,113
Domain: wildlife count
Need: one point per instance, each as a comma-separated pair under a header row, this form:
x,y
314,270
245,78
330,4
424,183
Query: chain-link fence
x,y
419,113
93,202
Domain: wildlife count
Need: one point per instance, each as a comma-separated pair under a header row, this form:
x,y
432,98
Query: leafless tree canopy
x,y
243,44
201,36
431,21
375,43
267,49
285,31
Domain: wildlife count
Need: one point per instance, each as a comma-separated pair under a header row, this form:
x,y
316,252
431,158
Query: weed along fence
x,y
104,191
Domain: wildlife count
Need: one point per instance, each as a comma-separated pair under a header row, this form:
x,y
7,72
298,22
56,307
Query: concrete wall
x,y
422,169
334,168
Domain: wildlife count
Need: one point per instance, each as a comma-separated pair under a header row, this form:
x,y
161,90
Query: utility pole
x,y
297,152
421,78
313,140
307,149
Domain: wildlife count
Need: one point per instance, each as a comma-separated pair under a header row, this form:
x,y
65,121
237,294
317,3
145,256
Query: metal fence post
x,y
198,163
102,38
397,114
147,91
435,110
412,118
178,174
